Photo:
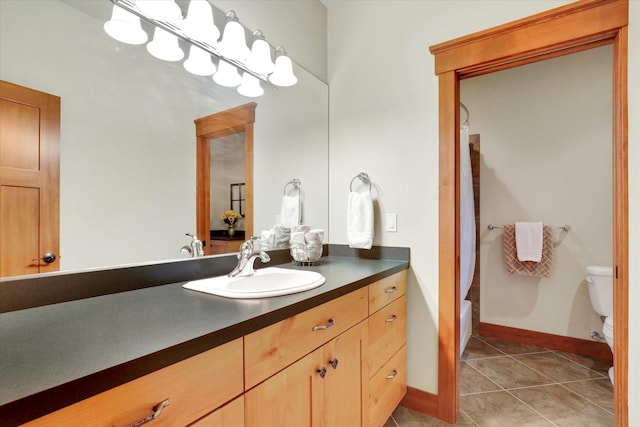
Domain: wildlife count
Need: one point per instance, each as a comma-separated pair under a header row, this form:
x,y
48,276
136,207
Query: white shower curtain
x,y
467,215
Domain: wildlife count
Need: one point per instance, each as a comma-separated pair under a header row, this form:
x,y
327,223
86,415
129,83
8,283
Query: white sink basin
x,y
266,282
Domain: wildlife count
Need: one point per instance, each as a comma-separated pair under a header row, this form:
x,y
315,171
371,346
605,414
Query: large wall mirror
x,y
128,145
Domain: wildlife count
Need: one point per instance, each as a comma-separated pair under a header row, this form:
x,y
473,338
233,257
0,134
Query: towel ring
x,y
296,185
362,176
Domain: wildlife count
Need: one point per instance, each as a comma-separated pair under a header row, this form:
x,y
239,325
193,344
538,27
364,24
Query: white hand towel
x,y
360,220
529,241
290,211
297,239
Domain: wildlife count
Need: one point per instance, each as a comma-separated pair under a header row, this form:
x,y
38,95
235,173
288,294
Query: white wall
x,y
384,120
545,145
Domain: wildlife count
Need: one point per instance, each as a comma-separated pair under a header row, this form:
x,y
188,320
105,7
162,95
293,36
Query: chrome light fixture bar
x,y
174,29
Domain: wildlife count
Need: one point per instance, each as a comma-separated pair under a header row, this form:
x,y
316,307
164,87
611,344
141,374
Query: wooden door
x,y
345,379
29,180
291,398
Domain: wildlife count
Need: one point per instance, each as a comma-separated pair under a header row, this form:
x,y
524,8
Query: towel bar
x,y
362,176
296,185
565,227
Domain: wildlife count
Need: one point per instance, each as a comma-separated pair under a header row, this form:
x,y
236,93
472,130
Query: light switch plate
x,y
392,222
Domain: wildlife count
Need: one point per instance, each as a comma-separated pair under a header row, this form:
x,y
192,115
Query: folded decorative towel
x,y
290,211
527,268
360,220
529,241
297,239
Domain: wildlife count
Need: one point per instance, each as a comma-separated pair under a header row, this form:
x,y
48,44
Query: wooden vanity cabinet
x,y
321,389
342,363
387,359
194,387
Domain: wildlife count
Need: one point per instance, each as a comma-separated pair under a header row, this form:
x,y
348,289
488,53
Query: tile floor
x,y
505,384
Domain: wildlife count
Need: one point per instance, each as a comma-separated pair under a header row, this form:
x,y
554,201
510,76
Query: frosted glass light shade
x,y
165,46
283,74
199,24
227,75
260,57
125,27
199,62
161,10
250,86
233,44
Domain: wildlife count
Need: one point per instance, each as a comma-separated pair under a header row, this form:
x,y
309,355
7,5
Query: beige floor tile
x,y
599,392
472,381
500,409
512,347
557,367
598,365
477,348
563,407
404,417
508,372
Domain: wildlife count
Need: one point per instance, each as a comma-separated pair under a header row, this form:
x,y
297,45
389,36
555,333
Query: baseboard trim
x,y
554,342
421,401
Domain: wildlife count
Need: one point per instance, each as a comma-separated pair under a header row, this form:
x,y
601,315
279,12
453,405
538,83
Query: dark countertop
x,y
54,355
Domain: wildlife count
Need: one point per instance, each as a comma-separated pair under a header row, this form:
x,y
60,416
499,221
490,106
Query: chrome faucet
x,y
195,249
249,251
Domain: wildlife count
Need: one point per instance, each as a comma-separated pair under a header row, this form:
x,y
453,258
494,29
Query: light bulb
x,y
260,56
283,73
233,44
199,62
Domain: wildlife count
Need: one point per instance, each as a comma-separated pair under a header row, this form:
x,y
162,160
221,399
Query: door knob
x,y
48,258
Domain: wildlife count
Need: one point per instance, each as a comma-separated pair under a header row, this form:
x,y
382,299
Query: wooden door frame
x,y
572,28
234,120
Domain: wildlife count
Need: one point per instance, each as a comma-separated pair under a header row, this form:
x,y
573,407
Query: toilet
x,y
600,281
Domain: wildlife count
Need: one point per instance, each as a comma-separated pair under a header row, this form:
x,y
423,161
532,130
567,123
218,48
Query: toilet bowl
x,y
600,281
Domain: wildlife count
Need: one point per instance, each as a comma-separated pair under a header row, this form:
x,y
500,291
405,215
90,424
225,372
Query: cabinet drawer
x,y
230,415
387,388
386,290
270,349
193,386
387,333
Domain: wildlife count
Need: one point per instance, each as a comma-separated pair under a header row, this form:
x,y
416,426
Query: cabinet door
x,y
291,398
345,378
230,415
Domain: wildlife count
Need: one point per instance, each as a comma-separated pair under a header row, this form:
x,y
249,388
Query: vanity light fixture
x,y
283,73
161,10
125,27
165,46
199,31
233,44
250,86
199,62
199,25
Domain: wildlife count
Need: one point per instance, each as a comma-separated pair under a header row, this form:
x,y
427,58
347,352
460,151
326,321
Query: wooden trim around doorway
x,y
568,29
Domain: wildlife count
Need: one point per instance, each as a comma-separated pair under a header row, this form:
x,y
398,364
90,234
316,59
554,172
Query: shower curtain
x,y
467,215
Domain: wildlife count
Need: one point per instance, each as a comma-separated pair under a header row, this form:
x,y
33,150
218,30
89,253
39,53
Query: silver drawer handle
x,y
391,319
157,410
393,375
390,290
323,327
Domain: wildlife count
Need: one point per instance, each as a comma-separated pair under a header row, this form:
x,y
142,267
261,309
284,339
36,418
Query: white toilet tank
x,y
600,281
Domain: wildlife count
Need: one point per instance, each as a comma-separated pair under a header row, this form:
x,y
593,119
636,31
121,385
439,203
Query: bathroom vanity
x,y
333,356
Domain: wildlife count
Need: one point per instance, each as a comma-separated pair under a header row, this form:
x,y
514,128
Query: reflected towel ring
x,y
296,185
362,176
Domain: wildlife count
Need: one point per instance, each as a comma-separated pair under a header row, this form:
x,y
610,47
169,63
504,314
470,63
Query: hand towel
x,y
527,268
290,211
529,241
360,220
